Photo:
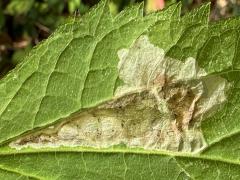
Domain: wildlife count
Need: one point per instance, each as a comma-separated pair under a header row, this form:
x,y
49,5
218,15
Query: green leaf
x,y
125,97
73,5
19,7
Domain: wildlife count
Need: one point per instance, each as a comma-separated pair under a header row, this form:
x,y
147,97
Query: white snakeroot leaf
x,y
126,97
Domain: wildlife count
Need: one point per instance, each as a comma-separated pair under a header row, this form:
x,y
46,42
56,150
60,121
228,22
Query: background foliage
x,y
24,23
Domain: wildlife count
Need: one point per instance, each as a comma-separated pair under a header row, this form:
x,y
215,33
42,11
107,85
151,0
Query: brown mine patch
x,y
180,98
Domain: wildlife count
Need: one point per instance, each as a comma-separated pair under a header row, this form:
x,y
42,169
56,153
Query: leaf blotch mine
x,y
160,106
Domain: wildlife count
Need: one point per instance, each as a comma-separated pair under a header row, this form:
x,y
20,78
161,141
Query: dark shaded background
x,y
24,23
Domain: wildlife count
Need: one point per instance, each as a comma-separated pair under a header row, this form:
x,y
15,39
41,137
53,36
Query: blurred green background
x,y
24,23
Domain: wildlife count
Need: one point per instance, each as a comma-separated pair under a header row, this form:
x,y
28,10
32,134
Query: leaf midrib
x,y
119,150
